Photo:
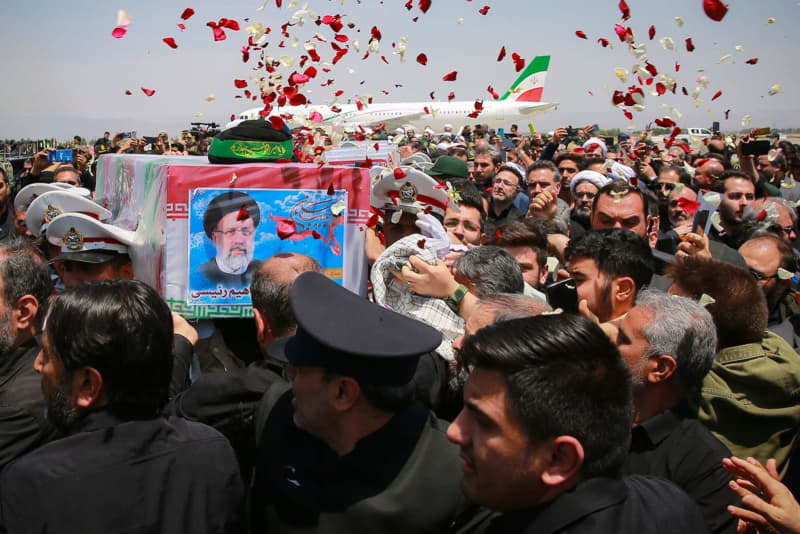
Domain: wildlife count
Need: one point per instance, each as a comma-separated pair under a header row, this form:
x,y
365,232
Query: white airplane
x,y
522,101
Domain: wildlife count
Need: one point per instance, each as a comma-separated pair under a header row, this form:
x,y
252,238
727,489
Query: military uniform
x,y
751,399
402,477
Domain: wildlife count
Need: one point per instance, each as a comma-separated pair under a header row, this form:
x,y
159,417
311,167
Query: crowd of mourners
x,y
564,334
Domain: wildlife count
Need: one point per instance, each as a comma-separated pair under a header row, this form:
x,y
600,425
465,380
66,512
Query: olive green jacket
x,y
751,399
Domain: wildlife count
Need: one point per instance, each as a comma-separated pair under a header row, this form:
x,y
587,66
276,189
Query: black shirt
x,y
23,425
633,504
684,451
493,222
114,475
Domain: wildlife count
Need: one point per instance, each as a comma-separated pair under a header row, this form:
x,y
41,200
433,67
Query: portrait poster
x,y
232,230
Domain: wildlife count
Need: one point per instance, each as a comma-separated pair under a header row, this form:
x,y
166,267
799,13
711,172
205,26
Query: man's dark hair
x,y
521,233
491,270
622,188
25,272
271,297
457,151
564,377
417,146
739,308
470,196
616,252
589,161
123,329
575,158
719,181
544,164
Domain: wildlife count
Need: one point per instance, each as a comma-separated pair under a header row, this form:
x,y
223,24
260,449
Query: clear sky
x,y
64,74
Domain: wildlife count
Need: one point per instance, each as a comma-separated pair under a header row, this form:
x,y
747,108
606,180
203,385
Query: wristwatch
x,y
454,300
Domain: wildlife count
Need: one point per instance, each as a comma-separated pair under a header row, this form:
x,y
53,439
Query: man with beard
x,y
24,288
230,221
486,162
507,183
584,186
609,268
738,192
105,369
668,343
680,220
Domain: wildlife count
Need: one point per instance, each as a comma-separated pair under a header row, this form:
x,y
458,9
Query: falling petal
x,y
724,58
123,19
716,95
679,21
621,73
188,12
603,42
459,20
502,54
689,45
775,89
170,42
739,48
715,9
652,32
450,77
118,32
626,11
667,43
182,26
148,92
484,10
771,20
210,98
422,59
752,61
580,34
127,92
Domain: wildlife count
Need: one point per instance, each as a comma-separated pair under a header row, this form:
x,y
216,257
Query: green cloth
x,y
751,399
251,150
785,308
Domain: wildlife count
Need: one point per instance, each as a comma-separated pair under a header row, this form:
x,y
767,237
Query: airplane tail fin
x,y
530,84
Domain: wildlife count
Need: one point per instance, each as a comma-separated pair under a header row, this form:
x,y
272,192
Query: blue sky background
x,y
63,73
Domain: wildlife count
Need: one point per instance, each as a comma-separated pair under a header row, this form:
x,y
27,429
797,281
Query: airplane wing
x,y
538,108
390,124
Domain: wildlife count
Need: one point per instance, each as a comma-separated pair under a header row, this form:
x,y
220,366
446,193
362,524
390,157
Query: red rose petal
x,y
422,59
603,42
127,92
493,93
421,243
519,63
497,235
688,206
181,26
243,214
450,77
752,61
241,84
689,44
716,95
331,191
715,9
188,12
118,32
424,5
148,92
626,11
277,122
170,42
580,34
502,54
484,10
761,216
451,96
651,32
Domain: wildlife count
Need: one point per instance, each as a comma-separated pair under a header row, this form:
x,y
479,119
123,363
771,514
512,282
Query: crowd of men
x,y
562,336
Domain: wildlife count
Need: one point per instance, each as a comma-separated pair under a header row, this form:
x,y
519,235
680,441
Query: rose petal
x,y
715,9
188,12
170,42
752,61
424,5
118,32
689,44
651,32
603,42
626,11
148,92
422,59
399,174
502,54
241,84
519,63
484,10
450,77
127,92
493,93
580,34
716,95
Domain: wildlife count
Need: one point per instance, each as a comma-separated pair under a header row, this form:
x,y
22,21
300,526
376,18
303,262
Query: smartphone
x,y
701,219
564,295
762,131
59,155
150,140
756,148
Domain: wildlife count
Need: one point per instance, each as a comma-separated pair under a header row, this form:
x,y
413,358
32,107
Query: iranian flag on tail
x,y
530,84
